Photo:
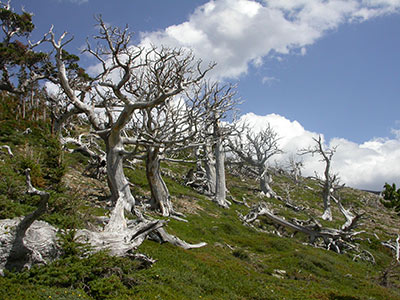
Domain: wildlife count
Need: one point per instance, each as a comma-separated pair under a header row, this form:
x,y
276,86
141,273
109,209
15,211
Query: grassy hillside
x,y
239,262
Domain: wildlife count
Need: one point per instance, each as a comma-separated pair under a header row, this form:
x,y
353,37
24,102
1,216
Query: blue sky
x,y
331,67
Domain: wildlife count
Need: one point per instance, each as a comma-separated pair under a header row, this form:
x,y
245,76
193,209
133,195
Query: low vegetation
x,y
120,173
239,262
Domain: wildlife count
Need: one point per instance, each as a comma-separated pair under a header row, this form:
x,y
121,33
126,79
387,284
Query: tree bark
x,y
265,180
121,195
160,198
210,167
20,255
220,188
334,239
326,195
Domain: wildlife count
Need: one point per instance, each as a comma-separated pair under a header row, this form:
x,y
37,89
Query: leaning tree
x,y
255,149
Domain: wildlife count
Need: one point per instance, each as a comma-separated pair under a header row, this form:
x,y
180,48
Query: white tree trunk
x,y
265,181
326,194
121,195
220,188
210,167
160,198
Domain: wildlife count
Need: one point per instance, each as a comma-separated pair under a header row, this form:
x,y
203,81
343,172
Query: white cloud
x,y
367,166
268,80
235,33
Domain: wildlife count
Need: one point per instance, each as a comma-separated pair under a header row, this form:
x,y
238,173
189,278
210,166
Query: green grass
x,y
237,263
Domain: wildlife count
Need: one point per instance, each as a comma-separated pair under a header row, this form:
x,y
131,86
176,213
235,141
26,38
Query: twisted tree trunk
x,y
121,195
334,239
160,198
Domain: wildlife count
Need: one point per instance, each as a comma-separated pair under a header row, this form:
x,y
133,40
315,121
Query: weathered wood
x,y
330,180
333,238
8,149
38,245
26,241
25,249
394,246
220,188
255,149
162,236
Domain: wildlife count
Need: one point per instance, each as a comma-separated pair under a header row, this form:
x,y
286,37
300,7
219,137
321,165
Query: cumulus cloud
x,y
237,33
367,166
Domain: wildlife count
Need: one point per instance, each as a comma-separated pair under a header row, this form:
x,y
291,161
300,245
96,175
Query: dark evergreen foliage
x,y
391,197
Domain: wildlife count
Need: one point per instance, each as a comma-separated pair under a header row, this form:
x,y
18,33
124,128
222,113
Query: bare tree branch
x,y
255,149
330,180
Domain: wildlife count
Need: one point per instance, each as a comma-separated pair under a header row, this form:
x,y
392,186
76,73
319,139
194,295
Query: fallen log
x,y
334,239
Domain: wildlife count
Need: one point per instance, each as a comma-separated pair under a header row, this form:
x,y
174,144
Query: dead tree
x,y
294,167
329,182
163,131
16,254
201,177
395,246
255,149
215,134
338,240
209,167
130,79
27,241
166,130
220,182
96,167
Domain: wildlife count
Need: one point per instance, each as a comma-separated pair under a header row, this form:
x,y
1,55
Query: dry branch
x,y
255,149
334,239
8,149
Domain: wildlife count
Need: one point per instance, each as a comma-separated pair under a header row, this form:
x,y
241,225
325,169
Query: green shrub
x,y
100,276
391,197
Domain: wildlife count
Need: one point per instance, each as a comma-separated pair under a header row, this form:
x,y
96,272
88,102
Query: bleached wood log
x,y
351,219
162,236
118,242
38,245
23,249
331,237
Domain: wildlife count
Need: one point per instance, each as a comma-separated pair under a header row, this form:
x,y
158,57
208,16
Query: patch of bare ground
x,y
90,189
187,205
